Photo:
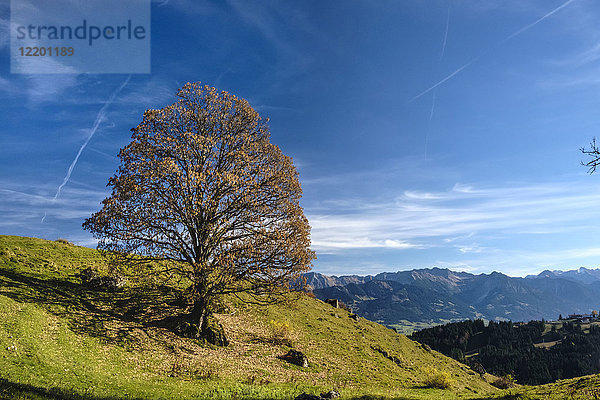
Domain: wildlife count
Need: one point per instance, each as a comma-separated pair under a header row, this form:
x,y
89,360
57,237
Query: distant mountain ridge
x,y
582,274
438,295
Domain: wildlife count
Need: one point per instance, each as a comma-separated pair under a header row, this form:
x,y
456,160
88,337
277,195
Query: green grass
x,y
582,388
61,340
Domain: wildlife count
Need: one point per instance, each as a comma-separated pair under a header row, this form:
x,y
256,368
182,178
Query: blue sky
x,y
426,133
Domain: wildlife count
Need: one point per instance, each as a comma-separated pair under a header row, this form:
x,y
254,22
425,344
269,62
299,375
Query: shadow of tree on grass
x,y
11,390
110,315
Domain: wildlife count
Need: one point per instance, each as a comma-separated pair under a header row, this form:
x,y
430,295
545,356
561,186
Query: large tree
x,y
201,187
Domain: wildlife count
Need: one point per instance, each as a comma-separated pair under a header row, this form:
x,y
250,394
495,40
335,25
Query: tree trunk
x,y
206,326
199,314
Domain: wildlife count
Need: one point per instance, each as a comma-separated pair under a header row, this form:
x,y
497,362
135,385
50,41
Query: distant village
x,y
583,318
580,318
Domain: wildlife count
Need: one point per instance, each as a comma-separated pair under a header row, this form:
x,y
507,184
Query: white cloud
x,y
472,248
585,57
43,88
24,205
344,242
525,262
39,89
153,93
456,217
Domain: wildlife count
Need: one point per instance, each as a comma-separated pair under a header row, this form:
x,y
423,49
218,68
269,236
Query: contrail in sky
x,y
432,111
99,118
515,34
430,119
445,34
444,80
432,105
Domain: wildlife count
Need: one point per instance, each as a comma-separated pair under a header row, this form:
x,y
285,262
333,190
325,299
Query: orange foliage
x,y
201,185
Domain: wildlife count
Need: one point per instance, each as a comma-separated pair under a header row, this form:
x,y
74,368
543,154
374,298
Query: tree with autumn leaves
x,y
202,188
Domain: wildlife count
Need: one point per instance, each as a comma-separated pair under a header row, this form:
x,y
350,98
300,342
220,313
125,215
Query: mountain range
x,y
437,295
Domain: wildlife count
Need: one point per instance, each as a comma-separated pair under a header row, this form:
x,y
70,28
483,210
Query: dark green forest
x,y
565,350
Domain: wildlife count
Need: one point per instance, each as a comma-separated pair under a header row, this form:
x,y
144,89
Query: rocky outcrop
x,y
394,359
307,396
92,279
297,358
332,394
335,303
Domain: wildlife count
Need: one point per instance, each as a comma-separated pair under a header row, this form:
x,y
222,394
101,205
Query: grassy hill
x,y
583,388
62,340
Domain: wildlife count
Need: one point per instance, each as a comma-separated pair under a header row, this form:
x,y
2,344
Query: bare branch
x,y
594,153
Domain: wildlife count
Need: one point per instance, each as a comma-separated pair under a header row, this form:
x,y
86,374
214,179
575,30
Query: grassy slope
x,y
61,340
582,388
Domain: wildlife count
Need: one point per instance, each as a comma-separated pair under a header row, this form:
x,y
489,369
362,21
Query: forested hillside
x,y
533,353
